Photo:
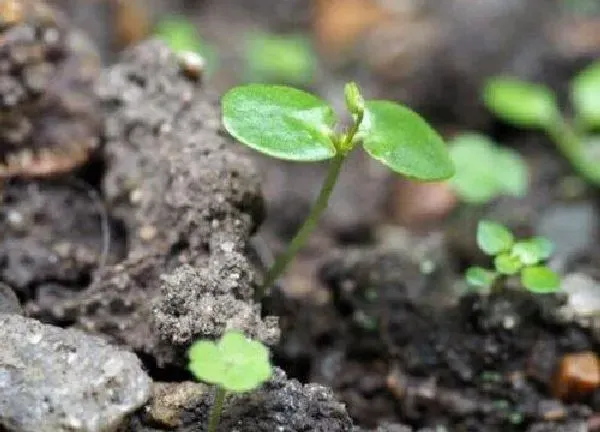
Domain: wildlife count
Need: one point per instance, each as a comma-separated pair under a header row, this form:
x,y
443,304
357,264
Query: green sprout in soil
x,y
535,106
511,257
183,38
234,364
290,124
484,170
280,58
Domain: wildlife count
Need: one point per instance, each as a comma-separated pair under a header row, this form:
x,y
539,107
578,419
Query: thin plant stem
x,y
572,148
217,408
307,228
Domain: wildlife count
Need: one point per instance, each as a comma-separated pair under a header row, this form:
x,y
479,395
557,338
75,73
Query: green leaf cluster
x,y
234,363
512,257
534,106
291,124
277,58
484,170
182,36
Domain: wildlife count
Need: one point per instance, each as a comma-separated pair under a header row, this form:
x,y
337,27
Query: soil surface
x,y
131,225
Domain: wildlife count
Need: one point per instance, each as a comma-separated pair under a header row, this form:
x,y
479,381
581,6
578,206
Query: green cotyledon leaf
x,y
280,121
402,140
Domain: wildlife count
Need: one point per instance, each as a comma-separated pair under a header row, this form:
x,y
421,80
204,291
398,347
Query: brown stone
x,y
578,375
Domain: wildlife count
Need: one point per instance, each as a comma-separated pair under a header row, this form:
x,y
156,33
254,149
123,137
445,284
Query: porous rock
x,y
54,380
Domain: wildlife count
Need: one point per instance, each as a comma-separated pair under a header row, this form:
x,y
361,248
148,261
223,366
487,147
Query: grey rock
x,y
54,380
9,303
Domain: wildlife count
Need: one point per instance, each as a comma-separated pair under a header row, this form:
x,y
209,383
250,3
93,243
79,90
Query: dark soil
x,y
147,230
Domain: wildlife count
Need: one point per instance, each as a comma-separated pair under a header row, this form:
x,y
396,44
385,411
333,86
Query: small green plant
x,y
183,37
290,124
484,170
276,58
234,364
523,257
535,106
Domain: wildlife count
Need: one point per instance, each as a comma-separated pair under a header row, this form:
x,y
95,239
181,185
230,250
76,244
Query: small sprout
x,y
534,106
291,124
511,258
507,264
354,100
182,36
233,364
585,94
484,170
286,59
493,238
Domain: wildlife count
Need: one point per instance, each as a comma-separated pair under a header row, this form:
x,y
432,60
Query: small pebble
x,y
578,375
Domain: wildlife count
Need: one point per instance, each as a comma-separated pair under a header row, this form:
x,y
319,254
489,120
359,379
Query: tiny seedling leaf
x,y
280,58
280,121
484,170
540,279
400,139
480,277
234,363
520,103
544,247
354,100
585,93
493,238
532,251
507,264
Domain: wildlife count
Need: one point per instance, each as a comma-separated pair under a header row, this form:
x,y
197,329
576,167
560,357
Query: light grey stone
x,y
55,380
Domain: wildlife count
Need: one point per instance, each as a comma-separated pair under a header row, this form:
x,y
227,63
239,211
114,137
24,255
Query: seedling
x,y
484,170
535,106
234,364
286,59
290,124
183,38
523,257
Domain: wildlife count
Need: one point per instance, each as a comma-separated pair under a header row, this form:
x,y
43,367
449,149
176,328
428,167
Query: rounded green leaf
x,y
520,103
403,141
585,93
493,238
202,365
507,264
540,279
484,170
235,363
280,121
480,277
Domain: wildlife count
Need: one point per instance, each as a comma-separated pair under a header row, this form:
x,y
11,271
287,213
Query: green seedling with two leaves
x,y
234,364
485,170
290,124
511,257
535,106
